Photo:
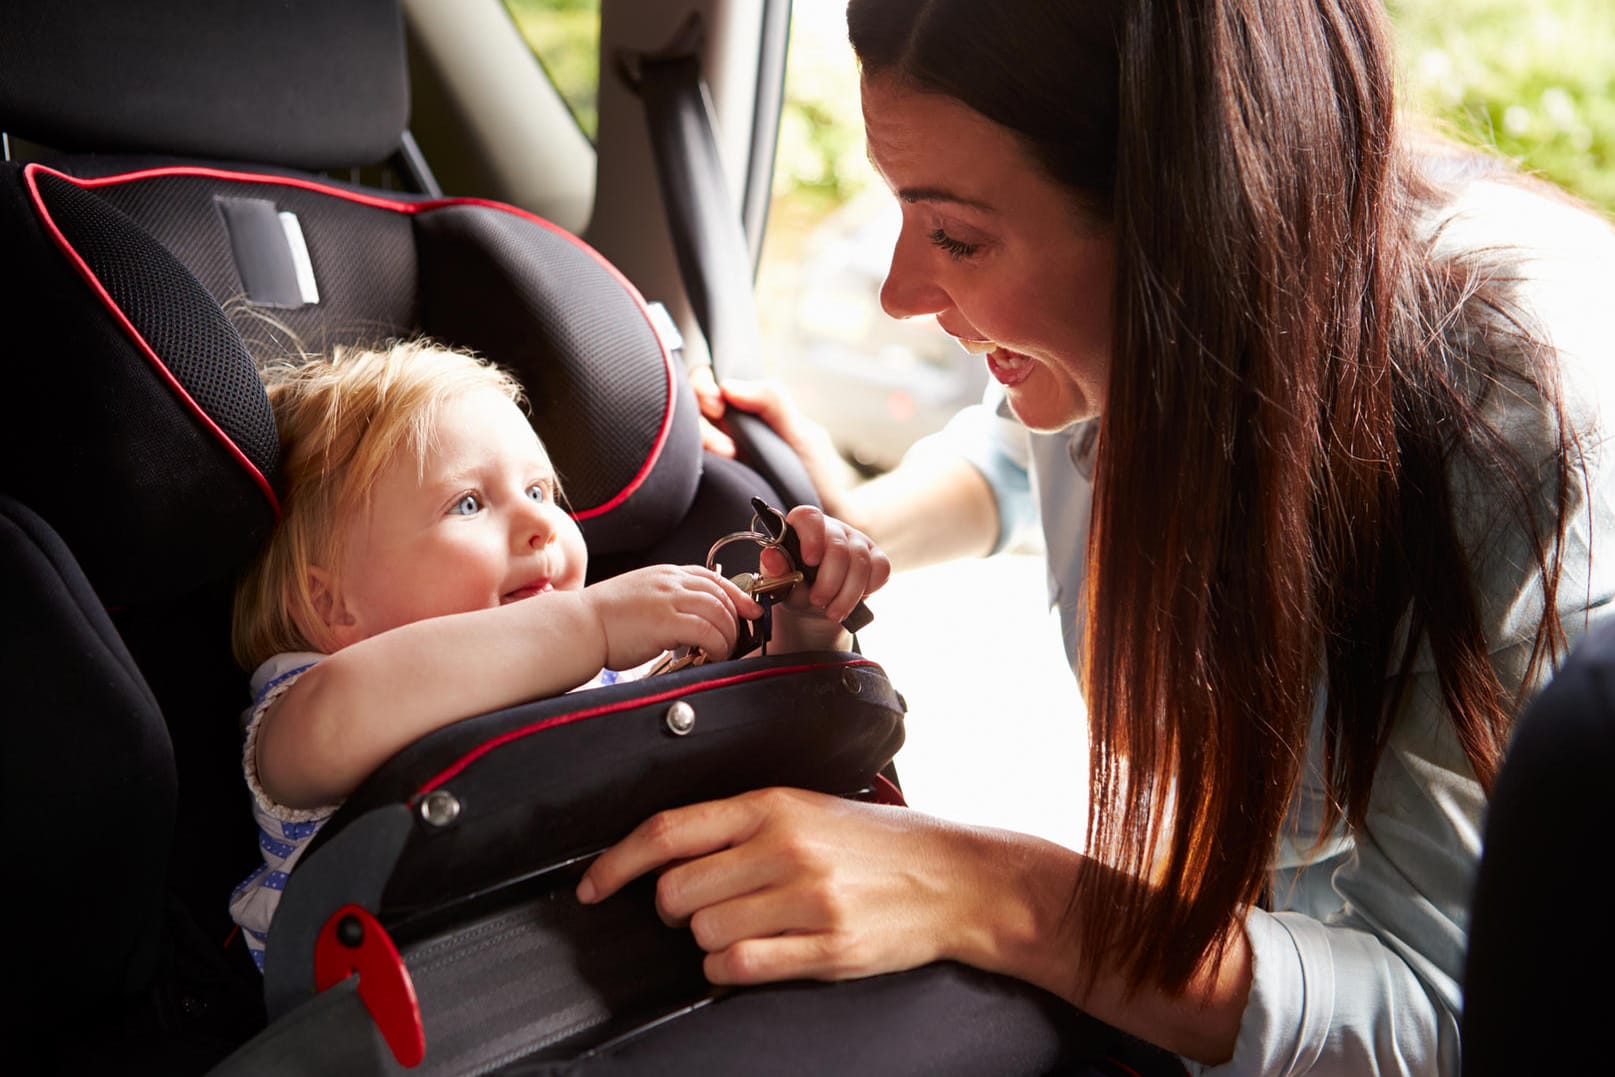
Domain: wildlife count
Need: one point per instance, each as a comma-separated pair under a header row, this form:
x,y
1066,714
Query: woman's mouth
x,y
1010,368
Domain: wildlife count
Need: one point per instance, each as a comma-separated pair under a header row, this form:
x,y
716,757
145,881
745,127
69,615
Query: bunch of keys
x,y
768,531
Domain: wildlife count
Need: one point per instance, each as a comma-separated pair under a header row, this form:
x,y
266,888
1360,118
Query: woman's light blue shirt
x,y
1359,969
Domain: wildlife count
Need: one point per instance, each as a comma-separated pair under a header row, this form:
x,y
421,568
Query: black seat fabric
x,y
138,475
305,84
129,381
1536,987
604,392
138,453
98,732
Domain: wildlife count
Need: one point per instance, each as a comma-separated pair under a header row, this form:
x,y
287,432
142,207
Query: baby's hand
x,y
849,566
651,610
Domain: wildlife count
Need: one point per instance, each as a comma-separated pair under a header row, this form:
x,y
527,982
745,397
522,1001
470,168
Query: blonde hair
x,y
343,418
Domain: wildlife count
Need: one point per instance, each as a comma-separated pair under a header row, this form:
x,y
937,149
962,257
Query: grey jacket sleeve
x,y
1373,984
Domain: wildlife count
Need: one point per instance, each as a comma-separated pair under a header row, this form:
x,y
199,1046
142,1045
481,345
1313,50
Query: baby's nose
x,y
537,528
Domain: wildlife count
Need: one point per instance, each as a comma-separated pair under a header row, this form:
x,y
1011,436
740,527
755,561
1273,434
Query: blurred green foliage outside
x,y
1534,78
565,36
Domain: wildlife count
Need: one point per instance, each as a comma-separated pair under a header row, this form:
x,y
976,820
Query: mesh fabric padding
x,y
529,297
596,374
363,257
93,436
722,504
156,294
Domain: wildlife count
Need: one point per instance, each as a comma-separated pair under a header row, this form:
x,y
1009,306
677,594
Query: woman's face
x,y
1008,260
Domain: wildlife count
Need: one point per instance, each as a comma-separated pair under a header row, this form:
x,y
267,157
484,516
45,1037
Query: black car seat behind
x,y
153,271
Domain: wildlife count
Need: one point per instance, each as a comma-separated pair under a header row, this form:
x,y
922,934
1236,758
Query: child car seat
x,y
137,463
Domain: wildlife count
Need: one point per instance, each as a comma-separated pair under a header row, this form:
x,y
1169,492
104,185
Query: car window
x,y
874,383
565,36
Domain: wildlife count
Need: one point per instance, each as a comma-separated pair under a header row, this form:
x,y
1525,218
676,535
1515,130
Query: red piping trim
x,y
30,174
1124,1067
610,708
400,206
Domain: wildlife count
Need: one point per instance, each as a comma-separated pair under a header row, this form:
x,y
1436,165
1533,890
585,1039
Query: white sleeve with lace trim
x,y
283,833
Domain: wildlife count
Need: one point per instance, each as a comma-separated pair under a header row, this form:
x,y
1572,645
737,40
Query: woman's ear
x,y
334,625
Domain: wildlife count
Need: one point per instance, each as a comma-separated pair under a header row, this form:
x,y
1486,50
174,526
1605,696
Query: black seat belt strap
x,y
714,259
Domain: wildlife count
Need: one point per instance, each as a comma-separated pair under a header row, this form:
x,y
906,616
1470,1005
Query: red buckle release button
x,y
353,941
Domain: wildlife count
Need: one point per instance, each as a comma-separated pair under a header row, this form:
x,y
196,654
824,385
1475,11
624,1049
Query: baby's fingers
x,y
737,601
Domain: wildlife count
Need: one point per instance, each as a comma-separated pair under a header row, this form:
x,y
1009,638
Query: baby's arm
x,y
357,708
849,566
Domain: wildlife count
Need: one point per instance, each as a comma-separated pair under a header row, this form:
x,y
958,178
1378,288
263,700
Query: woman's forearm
x,y
926,511
1025,928
784,884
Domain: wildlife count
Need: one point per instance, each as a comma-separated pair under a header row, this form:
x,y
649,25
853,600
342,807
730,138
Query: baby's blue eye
x,y
539,492
469,505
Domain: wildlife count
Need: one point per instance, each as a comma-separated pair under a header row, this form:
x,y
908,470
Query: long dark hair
x,y
1296,373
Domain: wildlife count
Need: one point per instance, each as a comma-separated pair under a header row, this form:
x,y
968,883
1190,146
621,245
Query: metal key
x,y
767,588
673,660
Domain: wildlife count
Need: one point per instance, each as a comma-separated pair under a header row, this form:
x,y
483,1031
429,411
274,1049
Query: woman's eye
x,y
956,248
539,492
469,505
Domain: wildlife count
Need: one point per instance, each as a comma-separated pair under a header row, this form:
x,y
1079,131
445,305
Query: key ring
x,y
761,538
776,534
766,537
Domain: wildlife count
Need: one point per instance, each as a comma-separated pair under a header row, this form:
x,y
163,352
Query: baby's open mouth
x,y
538,587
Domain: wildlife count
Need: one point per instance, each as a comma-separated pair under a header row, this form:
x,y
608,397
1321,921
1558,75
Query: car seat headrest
x,y
298,83
137,381
133,417
604,393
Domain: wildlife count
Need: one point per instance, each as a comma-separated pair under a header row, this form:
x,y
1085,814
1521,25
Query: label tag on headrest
x,y
666,328
301,262
270,253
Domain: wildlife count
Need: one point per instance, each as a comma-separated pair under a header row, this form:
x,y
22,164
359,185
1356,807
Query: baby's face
x,y
478,528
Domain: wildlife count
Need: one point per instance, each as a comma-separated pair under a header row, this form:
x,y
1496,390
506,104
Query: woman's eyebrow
x,y
942,194
927,194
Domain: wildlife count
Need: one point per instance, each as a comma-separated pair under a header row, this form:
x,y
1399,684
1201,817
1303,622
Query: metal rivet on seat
x,y
850,681
680,718
440,808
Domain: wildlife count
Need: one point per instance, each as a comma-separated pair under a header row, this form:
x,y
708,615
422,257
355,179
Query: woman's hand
x,y
784,884
831,475
848,566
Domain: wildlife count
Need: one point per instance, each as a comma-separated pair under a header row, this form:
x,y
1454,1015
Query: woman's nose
x,y
910,289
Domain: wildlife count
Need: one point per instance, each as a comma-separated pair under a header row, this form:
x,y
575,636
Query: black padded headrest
x,y
300,83
134,379
133,418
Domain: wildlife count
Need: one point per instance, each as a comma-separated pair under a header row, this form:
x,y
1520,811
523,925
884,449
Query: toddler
x,y
423,572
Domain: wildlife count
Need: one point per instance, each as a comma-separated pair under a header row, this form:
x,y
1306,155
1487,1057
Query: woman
x,y
1314,429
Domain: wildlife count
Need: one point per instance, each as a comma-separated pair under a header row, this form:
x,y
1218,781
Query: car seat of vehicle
x,y
1537,978
169,232
169,228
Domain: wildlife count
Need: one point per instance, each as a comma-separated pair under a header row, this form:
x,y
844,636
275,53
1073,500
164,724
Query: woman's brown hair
x,y
1294,375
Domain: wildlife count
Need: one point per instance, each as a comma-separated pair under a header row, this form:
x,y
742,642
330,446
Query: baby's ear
x,y
334,625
